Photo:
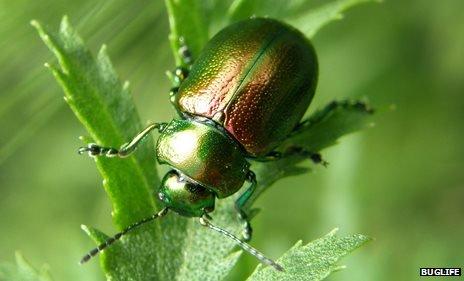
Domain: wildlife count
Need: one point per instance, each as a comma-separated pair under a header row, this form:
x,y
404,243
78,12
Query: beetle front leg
x,y
126,149
241,203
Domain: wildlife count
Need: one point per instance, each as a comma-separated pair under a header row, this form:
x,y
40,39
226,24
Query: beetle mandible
x,y
245,93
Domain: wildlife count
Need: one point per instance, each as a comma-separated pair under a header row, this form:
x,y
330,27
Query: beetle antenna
x,y
92,253
245,246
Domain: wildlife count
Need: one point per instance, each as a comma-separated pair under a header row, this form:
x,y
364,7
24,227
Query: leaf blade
x,y
311,22
186,21
23,271
313,261
104,106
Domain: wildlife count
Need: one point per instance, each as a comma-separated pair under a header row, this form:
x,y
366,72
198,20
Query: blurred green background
x,y
399,182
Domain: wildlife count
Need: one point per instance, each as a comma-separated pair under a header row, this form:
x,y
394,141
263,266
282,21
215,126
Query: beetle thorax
x,y
204,154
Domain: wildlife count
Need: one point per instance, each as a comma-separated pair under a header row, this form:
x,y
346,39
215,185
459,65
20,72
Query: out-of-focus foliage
x,y
400,182
23,271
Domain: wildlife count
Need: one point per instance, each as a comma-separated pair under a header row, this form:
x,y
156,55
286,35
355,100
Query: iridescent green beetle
x,y
246,92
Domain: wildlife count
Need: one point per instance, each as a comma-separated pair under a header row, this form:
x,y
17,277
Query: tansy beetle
x,y
245,93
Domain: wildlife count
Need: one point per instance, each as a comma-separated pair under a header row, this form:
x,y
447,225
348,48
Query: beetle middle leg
x,y
126,149
241,203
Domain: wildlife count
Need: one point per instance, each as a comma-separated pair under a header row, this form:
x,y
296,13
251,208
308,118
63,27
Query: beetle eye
x,y
208,209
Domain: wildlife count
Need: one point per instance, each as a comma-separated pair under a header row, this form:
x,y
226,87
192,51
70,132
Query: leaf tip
x,y
338,268
65,26
40,29
65,22
360,239
333,232
53,68
86,229
19,256
365,238
103,54
96,235
35,24
126,85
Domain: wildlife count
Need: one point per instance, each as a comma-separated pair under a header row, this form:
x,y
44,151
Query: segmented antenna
x,y
245,246
116,237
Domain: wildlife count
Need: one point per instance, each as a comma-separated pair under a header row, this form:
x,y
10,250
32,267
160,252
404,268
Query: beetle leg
x,y
294,150
240,206
271,156
329,109
180,72
126,149
176,77
316,157
185,53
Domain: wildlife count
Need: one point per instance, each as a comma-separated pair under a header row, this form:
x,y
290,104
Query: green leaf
x,y
319,131
242,9
207,255
104,106
313,261
310,22
186,20
23,271
298,13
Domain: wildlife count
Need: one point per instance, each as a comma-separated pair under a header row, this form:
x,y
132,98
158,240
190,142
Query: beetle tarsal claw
x,y
92,149
203,222
82,150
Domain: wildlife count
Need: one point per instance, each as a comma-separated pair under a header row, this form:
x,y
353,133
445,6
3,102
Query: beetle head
x,y
184,196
